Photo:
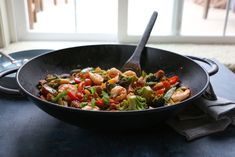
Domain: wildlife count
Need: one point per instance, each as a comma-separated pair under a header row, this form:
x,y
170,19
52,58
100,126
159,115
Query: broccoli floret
x,y
134,102
124,81
152,78
147,93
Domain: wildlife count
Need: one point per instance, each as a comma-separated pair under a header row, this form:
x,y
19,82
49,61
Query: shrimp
x,y
96,78
159,74
75,104
141,81
89,107
130,73
129,95
180,95
113,72
67,87
158,86
118,93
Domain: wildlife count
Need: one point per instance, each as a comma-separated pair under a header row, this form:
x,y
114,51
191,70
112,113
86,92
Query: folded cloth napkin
x,y
204,117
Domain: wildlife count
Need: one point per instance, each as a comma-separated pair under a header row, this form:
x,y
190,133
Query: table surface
x,y
25,130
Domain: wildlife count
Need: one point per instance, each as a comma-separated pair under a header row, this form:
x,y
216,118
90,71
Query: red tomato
x,y
88,82
100,103
173,79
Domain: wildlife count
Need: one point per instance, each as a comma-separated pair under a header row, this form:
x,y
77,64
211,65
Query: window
x,y
125,21
139,12
73,16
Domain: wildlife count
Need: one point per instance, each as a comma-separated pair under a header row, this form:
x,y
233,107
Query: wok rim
x,y
188,100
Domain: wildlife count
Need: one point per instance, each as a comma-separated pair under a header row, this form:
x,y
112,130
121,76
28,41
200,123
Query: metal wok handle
x,y
9,90
214,67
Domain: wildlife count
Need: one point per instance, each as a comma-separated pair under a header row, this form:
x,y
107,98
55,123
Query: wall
x,y
1,40
4,29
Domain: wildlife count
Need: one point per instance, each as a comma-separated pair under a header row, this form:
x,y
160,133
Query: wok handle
x,y
214,67
9,90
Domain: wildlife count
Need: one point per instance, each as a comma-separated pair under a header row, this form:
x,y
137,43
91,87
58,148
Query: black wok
x,y
107,56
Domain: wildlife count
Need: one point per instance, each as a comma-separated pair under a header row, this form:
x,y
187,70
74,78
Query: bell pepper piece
x,y
173,79
72,96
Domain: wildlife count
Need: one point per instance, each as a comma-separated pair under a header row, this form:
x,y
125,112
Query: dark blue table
x,y
26,131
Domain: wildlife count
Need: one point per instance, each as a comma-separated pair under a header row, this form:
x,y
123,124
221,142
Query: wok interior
x,y
107,56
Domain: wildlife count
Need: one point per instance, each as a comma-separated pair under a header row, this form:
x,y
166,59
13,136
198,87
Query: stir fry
x,y
112,90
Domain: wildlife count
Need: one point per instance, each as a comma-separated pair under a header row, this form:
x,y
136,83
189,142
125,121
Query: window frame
x,y
19,29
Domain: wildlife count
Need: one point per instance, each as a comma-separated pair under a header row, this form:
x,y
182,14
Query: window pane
x,y
193,22
50,17
97,16
70,16
140,11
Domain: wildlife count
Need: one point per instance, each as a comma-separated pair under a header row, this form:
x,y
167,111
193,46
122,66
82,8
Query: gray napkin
x,y
204,117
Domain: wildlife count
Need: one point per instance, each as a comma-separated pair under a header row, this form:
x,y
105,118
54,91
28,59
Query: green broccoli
x,y
134,102
147,93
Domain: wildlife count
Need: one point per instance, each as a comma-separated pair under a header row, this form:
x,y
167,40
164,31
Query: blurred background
x,y
92,16
118,20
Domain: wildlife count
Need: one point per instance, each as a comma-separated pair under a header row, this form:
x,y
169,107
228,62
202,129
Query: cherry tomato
x,y
88,82
173,79
100,103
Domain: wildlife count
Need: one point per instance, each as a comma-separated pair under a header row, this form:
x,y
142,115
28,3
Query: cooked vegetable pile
x,y
112,90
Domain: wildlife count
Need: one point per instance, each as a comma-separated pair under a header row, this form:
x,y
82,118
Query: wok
x,y
107,56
